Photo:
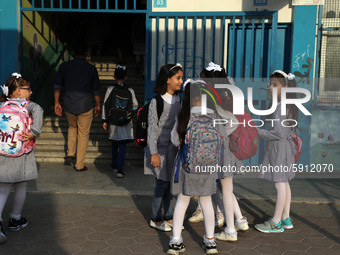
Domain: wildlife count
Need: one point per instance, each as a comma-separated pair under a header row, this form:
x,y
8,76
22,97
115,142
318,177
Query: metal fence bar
x,y
194,53
214,38
262,46
231,50
176,38
272,57
185,45
166,39
157,42
252,48
223,41
204,26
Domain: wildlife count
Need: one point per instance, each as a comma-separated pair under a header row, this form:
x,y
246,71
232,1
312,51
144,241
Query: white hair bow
x,y
290,76
121,67
4,90
213,67
177,65
16,75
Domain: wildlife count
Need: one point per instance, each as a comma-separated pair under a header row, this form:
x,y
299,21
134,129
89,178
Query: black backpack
x,y
142,121
118,106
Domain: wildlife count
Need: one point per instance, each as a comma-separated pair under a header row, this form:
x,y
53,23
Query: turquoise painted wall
x,y
304,30
8,39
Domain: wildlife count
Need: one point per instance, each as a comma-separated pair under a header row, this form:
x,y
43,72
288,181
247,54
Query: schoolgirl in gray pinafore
x,y
159,138
191,184
23,168
280,149
229,159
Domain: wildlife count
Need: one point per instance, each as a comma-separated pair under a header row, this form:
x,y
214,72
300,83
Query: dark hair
x,y
79,49
219,77
120,73
192,90
166,71
13,83
292,109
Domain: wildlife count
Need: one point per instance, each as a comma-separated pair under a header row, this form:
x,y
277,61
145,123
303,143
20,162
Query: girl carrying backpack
x,y
201,148
160,153
17,170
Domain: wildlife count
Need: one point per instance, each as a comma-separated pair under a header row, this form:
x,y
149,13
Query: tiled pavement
x,y
83,221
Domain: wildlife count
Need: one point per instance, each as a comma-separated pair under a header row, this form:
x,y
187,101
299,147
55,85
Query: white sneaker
x,y
163,227
225,236
176,246
219,220
170,225
242,224
197,216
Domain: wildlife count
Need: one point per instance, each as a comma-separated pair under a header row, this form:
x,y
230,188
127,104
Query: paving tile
x,y
295,246
99,236
243,251
65,249
323,251
270,249
94,246
114,250
125,233
317,242
130,225
142,248
120,242
79,231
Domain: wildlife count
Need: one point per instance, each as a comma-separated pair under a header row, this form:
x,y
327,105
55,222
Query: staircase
x,y
52,143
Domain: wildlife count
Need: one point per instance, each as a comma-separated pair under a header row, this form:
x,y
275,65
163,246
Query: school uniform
x,y
280,149
159,143
191,184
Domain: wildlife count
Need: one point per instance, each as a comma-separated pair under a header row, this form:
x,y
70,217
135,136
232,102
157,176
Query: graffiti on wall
x,y
303,61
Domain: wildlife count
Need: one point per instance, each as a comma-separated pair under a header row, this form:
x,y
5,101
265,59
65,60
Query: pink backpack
x,y
244,140
14,119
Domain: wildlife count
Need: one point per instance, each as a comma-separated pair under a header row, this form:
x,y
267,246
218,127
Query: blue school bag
x,y
203,146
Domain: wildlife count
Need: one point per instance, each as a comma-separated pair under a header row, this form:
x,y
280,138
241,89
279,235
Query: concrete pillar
x,y
303,48
9,39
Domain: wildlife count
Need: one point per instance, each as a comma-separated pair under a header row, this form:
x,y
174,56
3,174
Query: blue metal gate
x,y
249,44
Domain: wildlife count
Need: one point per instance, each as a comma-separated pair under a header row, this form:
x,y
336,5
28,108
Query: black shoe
x,y
120,173
176,248
16,225
69,161
210,246
3,237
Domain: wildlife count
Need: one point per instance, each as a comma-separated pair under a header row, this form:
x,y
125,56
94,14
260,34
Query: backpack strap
x,y
159,105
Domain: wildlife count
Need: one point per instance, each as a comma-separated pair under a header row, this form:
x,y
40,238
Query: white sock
x,y
179,213
208,215
19,198
5,190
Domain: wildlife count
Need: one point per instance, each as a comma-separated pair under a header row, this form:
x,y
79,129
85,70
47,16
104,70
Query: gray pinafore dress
x,y
279,151
159,139
191,184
